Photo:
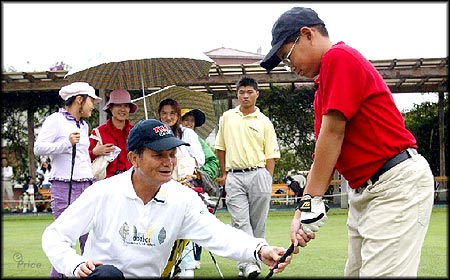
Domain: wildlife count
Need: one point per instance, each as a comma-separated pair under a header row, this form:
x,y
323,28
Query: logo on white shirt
x,y
145,237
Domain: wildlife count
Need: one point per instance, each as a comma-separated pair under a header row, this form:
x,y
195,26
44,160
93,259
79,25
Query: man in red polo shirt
x,y
360,132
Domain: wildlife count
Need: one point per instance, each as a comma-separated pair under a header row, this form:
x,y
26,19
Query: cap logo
x,y
161,130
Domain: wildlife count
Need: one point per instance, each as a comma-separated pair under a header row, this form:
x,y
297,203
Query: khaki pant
x,y
387,222
248,202
8,188
28,198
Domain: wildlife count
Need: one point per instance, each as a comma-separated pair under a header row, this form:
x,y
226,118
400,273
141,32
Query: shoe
x,y
24,210
251,271
34,209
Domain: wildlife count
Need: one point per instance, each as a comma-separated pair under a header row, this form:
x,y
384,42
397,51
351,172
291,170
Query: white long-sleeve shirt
x,y
138,238
53,139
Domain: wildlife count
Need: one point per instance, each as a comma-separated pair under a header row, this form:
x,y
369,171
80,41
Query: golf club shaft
x,y
215,263
221,192
282,259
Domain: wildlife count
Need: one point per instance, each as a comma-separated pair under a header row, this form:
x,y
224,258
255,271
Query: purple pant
x,y
59,199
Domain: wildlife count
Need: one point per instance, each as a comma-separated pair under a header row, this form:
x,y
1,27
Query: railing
x,y
288,197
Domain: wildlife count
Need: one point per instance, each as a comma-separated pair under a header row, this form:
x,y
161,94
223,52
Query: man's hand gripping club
x,y
311,216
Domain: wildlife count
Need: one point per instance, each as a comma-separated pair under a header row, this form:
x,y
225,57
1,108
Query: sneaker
x,y
24,210
34,210
252,271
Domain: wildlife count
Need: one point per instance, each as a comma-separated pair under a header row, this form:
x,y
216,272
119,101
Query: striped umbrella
x,y
187,98
150,72
142,73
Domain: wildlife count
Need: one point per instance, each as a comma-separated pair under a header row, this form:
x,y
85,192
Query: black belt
x,y
388,165
247,169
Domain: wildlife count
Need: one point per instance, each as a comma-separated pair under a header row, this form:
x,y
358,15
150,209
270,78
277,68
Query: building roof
x,y
401,75
232,53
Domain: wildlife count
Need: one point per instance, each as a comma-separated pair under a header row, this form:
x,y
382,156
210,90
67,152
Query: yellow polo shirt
x,y
247,140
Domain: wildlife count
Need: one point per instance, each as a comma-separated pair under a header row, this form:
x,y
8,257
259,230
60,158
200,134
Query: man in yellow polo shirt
x,y
247,148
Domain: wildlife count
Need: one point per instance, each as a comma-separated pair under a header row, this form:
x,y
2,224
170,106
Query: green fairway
x,y
325,256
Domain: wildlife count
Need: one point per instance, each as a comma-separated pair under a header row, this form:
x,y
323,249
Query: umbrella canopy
x,y
141,73
187,98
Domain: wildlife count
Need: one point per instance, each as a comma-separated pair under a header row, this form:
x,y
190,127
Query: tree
x,y
292,113
423,122
15,133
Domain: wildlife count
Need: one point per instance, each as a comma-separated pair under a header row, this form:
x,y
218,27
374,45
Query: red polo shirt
x,y
375,129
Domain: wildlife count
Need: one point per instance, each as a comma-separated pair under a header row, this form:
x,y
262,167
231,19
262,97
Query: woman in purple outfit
x,y
60,132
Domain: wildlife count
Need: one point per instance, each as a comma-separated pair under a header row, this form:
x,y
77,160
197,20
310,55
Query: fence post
x,y
344,193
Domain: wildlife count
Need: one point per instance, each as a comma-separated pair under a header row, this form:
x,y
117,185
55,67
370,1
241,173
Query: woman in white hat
x,y
114,132
64,135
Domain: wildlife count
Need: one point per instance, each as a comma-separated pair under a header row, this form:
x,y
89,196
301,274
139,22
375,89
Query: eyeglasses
x,y
287,61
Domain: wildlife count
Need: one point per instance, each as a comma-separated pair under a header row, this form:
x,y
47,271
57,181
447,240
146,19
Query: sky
x,y
37,35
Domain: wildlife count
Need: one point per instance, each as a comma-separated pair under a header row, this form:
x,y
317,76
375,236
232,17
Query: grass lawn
x,y
325,256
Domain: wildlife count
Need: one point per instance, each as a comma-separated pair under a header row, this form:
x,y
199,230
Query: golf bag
x,y
172,268
296,183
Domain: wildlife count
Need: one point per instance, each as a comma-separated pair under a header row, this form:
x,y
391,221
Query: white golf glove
x,y
313,213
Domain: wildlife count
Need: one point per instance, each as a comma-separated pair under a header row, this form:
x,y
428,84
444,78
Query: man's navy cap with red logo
x,y
153,134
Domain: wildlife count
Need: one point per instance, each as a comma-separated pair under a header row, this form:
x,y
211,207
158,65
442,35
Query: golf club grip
x,y
282,259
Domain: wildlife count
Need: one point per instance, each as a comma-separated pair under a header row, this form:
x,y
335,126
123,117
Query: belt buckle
x,y
248,169
411,152
362,188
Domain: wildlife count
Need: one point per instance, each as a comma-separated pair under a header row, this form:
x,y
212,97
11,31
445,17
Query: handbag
x,y
100,162
204,180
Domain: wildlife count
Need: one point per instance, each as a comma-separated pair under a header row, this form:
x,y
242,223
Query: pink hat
x,y
120,96
77,88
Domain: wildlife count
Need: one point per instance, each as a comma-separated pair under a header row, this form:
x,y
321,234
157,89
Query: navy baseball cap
x,y
287,24
153,134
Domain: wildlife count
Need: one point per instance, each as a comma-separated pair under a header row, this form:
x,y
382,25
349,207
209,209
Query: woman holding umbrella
x,y
114,132
65,136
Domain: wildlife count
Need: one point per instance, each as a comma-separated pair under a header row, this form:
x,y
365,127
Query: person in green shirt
x,y
194,118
